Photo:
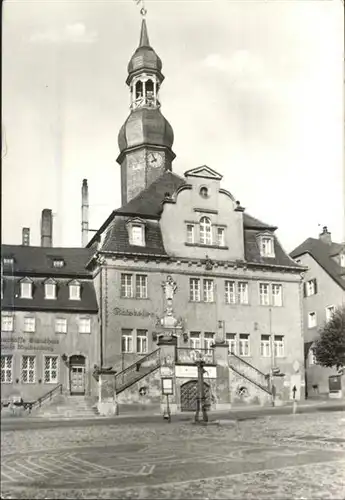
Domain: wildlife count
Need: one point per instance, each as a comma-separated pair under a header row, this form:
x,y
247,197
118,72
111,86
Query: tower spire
x,y
144,37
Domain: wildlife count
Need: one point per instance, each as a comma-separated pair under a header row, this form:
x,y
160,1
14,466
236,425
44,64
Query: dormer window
x,y
342,259
26,288
8,261
74,290
58,263
205,231
50,289
267,246
136,232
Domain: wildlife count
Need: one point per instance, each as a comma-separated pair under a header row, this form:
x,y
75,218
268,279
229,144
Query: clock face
x,y
155,159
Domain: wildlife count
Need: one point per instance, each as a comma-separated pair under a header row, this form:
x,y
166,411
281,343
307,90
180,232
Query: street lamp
x,y
201,400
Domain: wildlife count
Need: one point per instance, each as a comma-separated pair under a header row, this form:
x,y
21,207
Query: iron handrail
x,y
248,364
40,400
137,363
266,389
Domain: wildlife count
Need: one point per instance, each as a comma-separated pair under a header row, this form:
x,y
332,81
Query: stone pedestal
x,y
221,352
106,405
167,345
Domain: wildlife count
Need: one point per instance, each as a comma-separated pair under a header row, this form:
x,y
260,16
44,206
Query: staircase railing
x,y
48,396
137,370
262,387
250,372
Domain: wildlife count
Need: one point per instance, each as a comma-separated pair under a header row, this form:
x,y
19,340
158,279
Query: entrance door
x,y
189,395
77,375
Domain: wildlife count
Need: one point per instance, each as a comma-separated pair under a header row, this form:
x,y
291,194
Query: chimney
x,y
84,213
26,236
47,228
325,236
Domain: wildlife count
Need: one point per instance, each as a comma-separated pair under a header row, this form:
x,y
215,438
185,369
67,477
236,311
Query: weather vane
x,y
143,10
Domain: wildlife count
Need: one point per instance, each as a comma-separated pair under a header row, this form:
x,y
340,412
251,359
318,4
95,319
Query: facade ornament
x,y
169,286
208,264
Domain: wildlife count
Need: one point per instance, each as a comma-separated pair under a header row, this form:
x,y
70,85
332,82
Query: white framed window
x,y
141,286
205,231
127,340
137,235
58,263
279,346
208,290
7,321
194,289
220,236
244,346
8,261
264,291
231,340
60,325
277,295
311,357
312,320
208,341
74,291
242,291
28,369
141,341
195,341
342,259
84,325
6,369
265,346
51,370
126,285
267,246
190,233
230,292
330,310
26,290
29,324
311,287
50,291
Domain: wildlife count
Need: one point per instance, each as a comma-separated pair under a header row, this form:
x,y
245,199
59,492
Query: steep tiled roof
x,y
29,260
322,253
12,301
117,240
148,203
252,251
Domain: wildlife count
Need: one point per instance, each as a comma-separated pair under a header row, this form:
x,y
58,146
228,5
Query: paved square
x,y
301,456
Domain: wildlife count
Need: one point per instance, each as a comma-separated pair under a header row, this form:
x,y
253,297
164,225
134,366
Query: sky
x,y
253,89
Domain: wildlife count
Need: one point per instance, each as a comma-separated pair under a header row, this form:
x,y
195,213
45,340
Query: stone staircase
x,y
249,374
136,371
69,407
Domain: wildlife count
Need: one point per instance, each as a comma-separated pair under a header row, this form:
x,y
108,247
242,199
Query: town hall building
x,y
181,270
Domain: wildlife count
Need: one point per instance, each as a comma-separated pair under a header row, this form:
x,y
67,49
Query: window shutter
x,y
315,285
304,289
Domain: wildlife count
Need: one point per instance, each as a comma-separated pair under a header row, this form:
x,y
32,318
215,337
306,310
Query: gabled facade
x,y
49,322
323,291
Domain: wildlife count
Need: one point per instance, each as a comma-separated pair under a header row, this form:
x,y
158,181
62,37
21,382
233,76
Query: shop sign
x,y
121,311
29,344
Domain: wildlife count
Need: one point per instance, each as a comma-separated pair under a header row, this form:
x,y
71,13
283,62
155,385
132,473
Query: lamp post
x,y
201,403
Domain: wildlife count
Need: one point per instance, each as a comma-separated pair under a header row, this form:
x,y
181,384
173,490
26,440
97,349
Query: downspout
x,y
101,316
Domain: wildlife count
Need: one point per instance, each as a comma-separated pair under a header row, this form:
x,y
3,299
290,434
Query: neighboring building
x,y
49,320
324,290
234,280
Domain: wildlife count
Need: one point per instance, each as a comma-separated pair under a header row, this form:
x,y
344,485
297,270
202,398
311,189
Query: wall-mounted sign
x,y
167,386
188,371
121,311
29,344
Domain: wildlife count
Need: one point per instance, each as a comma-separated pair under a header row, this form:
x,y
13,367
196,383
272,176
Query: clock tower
x,y
146,138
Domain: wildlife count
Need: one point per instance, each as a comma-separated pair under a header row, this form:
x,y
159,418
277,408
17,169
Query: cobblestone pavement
x,y
299,457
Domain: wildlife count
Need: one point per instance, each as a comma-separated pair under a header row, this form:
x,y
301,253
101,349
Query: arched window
x,y
149,89
139,90
205,231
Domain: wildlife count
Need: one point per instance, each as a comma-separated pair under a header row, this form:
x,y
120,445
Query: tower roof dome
x,y
145,126
144,57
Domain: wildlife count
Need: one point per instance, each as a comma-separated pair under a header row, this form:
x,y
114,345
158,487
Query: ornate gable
x,y
204,172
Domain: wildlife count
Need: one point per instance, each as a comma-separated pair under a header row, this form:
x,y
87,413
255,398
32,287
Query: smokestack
x,y
47,228
84,213
26,236
325,236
